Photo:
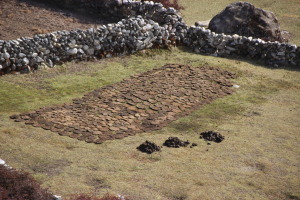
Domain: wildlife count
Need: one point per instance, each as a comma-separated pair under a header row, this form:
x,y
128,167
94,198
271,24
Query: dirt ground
x,y
142,103
21,18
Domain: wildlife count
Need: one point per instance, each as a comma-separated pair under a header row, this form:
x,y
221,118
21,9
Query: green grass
x,y
259,158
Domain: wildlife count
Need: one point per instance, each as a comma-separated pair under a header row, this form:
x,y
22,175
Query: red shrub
x,y
16,185
169,3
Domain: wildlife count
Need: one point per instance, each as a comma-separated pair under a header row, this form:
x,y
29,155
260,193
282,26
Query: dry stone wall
x,y
275,54
126,36
144,25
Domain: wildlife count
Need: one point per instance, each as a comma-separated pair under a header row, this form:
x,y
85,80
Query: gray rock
x,y
34,55
6,55
72,51
98,47
202,23
50,63
245,19
90,51
47,51
25,61
230,48
96,42
39,59
22,55
85,47
80,51
13,67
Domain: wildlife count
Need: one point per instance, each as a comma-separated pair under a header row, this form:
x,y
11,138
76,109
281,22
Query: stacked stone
x,y
123,9
144,25
45,50
169,18
275,54
127,36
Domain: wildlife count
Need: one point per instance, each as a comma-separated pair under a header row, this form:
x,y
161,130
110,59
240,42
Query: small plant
x,y
15,185
169,3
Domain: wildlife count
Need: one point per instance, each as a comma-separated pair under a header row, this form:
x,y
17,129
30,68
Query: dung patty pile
x,y
148,147
175,142
140,103
212,136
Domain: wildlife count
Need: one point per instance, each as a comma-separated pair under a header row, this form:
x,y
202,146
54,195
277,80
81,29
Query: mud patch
x,y
175,142
212,136
141,103
148,147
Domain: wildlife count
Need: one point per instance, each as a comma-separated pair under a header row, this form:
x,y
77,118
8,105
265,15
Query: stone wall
x,y
127,36
144,25
274,54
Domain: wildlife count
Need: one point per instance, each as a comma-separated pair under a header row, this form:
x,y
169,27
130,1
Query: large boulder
x,y
245,19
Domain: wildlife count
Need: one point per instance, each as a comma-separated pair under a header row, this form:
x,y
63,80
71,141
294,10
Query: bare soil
x,y
142,103
25,18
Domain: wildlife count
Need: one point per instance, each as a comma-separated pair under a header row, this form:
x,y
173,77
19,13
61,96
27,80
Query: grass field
x,y
259,159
